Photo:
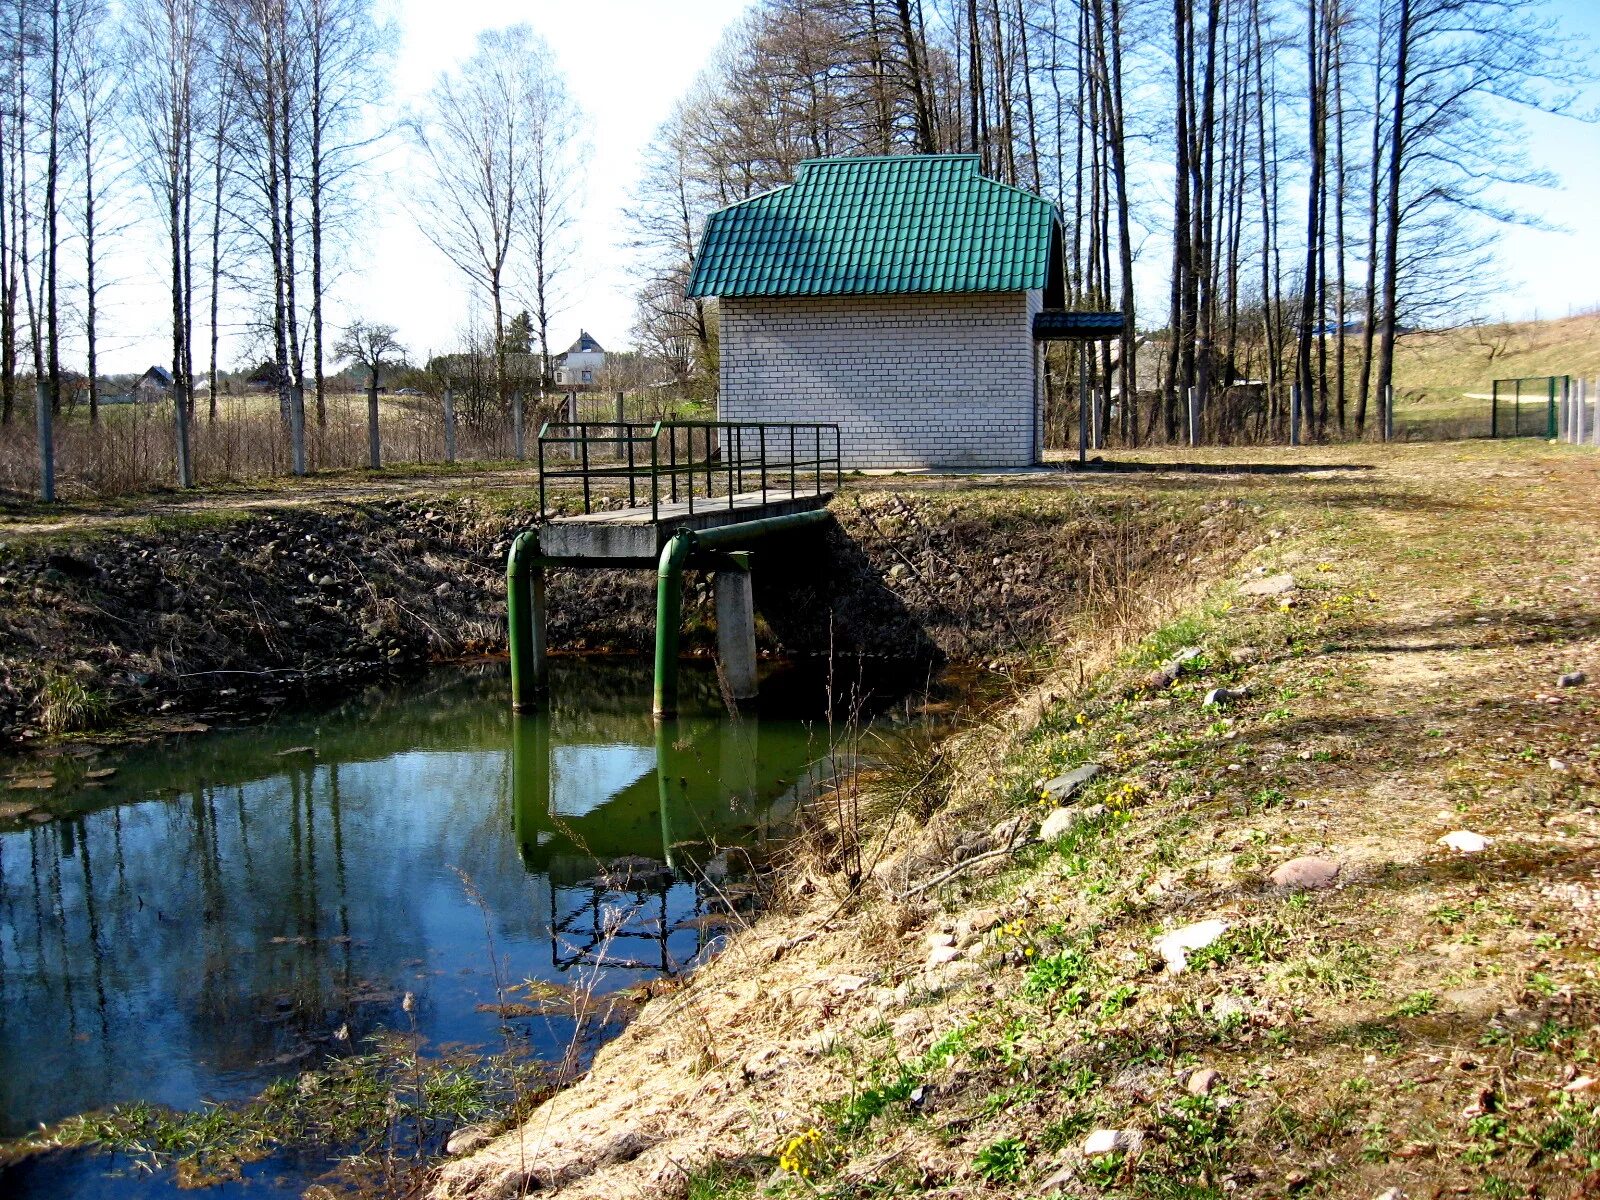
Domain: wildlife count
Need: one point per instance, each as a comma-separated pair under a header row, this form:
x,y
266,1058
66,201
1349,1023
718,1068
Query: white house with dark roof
x,y
898,297
580,365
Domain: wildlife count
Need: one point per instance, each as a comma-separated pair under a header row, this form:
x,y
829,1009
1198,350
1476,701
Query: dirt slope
x,y
1425,1021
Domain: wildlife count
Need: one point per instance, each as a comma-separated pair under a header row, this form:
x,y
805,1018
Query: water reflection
x,y
207,917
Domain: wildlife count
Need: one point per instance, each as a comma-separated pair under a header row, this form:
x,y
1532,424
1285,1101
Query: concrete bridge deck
x,y
631,536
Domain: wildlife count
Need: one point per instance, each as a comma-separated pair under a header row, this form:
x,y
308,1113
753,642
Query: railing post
x,y
542,507
1494,409
633,494
655,471
583,446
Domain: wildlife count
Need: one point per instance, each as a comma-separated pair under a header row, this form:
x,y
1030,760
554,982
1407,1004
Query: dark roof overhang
x,y
1076,326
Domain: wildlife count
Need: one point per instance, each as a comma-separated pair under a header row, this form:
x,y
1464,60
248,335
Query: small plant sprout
x,y
1002,1161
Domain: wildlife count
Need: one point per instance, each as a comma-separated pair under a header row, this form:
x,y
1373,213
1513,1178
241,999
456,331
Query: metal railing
x,y
685,461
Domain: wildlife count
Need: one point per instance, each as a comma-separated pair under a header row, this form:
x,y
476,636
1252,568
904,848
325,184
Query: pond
x,y
182,922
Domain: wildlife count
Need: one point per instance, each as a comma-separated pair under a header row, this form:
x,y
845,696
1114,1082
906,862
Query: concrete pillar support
x,y
736,631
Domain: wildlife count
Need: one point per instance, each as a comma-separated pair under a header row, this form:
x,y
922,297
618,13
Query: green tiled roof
x,y
858,226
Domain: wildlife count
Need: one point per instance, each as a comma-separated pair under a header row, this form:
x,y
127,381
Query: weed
x,y
1002,1161
1418,1004
854,1115
66,705
1056,979
1118,999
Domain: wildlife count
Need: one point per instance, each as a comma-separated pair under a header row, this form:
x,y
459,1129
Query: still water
x,y
205,917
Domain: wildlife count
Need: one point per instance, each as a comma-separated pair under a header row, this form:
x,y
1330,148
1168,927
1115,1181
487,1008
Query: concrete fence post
x,y
297,430
46,430
449,424
374,443
519,445
1192,395
1580,403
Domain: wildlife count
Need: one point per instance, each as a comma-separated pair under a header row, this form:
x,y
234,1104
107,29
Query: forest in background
x,y
1322,176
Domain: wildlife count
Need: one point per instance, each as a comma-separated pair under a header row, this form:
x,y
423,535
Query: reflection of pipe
x,y
525,618
666,735
669,588
530,782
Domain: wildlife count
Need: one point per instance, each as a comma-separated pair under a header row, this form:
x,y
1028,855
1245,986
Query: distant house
x,y
904,298
580,365
154,384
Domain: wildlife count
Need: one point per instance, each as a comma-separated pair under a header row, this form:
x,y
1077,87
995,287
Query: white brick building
x,y
894,296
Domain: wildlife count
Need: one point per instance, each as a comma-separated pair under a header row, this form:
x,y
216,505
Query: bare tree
x,y
491,164
165,64
374,346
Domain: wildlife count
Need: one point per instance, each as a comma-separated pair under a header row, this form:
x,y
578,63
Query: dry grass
x,y
1429,1024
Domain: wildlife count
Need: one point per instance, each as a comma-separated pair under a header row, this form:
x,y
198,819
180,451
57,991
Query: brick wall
x,y
913,381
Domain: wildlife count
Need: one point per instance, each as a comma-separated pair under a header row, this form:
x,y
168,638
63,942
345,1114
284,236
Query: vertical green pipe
x,y
669,615
525,618
1550,409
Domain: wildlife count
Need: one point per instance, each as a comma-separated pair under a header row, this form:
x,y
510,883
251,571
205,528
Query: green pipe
x,y
669,616
525,618
747,531
669,588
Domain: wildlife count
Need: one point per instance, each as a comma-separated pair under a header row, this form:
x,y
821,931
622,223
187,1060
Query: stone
x,y
1307,872
843,984
1272,585
1063,788
1167,673
1174,947
1219,697
466,1139
1113,1141
942,954
1464,841
1203,1082
938,940
1013,831
976,923
1057,824
1572,679
1390,1194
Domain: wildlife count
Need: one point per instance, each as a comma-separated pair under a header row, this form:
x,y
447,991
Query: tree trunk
x,y
1391,234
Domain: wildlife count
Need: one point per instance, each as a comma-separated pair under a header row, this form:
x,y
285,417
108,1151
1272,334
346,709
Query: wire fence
x,y
132,446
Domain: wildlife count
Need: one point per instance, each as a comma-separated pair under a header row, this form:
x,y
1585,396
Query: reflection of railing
x,y
686,461
604,939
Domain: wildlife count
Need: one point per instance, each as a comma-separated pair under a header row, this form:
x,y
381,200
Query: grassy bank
x,y
979,1011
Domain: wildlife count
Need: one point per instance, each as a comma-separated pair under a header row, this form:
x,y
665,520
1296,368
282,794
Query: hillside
x,y
1468,360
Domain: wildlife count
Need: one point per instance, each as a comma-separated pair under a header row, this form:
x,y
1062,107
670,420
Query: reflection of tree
x,y
193,944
